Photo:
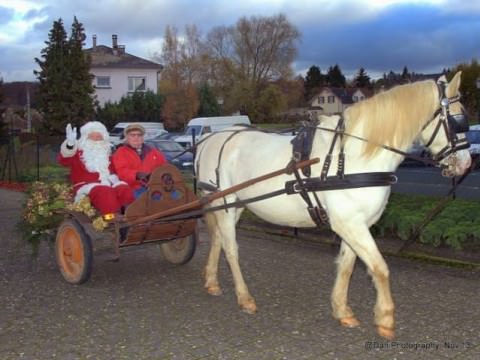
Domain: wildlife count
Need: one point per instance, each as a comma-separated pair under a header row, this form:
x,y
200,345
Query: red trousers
x,y
108,199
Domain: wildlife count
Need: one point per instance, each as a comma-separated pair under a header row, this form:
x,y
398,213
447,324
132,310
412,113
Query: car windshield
x,y
473,136
169,146
116,131
189,130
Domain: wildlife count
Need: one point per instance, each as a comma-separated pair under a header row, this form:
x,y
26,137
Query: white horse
x,y
394,118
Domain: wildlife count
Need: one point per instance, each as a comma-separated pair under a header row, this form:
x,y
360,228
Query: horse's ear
x,y
442,79
454,85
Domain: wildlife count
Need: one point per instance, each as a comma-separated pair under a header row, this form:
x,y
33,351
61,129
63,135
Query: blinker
x,y
458,123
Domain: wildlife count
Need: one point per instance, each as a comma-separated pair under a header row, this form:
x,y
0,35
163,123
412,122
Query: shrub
x,y
456,226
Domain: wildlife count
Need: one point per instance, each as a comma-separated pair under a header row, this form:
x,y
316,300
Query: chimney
x,y
94,42
114,41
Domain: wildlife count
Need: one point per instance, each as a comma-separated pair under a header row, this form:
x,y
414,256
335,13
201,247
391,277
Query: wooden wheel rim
x,y
178,244
71,256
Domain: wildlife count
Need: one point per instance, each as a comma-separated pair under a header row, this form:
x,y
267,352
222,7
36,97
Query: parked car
x,y
473,136
152,130
206,125
417,150
174,152
168,136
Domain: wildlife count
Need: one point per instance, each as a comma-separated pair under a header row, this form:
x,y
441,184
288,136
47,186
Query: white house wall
x,y
119,82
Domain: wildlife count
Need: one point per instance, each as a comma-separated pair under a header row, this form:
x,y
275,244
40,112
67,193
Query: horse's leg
x,y
363,244
222,233
211,269
345,263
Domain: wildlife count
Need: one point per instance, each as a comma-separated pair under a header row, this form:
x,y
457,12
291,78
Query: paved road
x,y
145,308
429,181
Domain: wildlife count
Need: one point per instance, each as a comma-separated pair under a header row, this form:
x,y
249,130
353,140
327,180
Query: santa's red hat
x,y
94,126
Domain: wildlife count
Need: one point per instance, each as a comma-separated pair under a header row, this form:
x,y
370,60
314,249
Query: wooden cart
x,y
77,240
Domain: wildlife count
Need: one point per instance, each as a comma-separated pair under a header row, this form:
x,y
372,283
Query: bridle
x,y
452,125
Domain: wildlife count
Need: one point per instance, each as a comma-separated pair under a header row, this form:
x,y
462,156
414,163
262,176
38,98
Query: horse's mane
x,y
394,117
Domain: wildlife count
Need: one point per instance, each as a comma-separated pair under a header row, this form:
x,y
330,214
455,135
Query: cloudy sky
x,y
379,35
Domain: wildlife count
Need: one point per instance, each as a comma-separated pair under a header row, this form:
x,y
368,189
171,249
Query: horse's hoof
x,y
387,333
249,308
214,290
349,322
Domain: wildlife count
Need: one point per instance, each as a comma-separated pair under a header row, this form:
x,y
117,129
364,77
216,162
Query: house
x,y
117,73
332,100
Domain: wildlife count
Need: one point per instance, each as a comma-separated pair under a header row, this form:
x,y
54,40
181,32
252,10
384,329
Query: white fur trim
x,y
84,190
92,126
119,183
66,152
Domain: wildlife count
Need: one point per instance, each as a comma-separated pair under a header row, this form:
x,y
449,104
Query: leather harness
x,y
301,150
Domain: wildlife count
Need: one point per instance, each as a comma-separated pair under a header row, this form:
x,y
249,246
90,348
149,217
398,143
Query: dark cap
x,y
132,127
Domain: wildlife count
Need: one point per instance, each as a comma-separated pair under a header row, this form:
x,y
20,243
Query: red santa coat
x,y
79,175
105,197
127,163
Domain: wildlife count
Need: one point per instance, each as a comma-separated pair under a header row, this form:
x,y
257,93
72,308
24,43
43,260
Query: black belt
x,y
348,181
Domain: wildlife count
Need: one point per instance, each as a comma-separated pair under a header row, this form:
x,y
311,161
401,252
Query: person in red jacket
x,y
91,170
134,161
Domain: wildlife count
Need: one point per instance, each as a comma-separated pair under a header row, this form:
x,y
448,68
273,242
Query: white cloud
x,y
140,25
22,20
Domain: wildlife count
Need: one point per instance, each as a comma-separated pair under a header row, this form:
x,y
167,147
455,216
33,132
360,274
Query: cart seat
x,y
166,189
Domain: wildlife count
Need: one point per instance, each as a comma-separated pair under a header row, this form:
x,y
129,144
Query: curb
x,y
387,247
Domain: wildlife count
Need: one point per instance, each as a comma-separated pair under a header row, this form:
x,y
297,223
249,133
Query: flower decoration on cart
x,y
42,210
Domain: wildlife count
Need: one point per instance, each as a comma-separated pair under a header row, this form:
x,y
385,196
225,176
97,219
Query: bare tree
x,y
237,62
182,68
247,57
262,49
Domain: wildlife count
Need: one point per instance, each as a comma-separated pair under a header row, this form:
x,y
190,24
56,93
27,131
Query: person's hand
x,y
71,135
143,177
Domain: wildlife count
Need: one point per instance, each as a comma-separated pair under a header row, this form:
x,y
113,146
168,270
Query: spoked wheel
x,y
181,250
74,252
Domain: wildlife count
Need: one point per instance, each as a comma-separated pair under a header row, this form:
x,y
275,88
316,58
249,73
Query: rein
x,y
425,160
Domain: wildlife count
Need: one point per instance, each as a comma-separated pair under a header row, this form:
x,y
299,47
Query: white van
x,y
206,125
152,130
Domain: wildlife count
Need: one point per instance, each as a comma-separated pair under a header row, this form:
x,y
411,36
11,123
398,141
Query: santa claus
x,y
91,171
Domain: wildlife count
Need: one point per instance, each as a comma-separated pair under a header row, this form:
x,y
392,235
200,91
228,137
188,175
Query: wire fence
x,y
28,157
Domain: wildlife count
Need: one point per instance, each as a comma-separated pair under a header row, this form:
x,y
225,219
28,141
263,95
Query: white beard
x,y
96,157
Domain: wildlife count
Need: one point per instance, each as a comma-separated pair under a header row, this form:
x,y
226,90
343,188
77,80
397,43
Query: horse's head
x,y
444,134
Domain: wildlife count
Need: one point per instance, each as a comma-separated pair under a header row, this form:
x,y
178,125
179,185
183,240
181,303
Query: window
x,y
321,100
331,99
136,84
355,98
102,81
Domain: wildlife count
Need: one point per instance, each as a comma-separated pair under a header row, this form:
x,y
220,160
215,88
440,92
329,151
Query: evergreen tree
x,y
335,78
405,77
1,90
140,106
314,80
65,93
54,78
208,102
81,87
2,124
362,80
468,88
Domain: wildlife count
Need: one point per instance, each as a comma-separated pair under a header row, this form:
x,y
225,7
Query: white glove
x,y
71,135
113,179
